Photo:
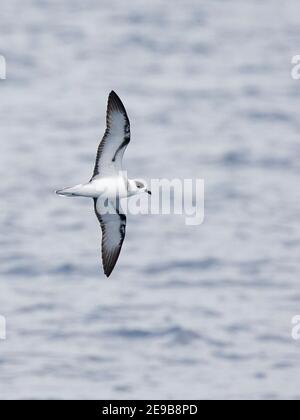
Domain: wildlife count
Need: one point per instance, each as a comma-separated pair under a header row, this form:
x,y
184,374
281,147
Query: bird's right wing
x,y
115,140
113,225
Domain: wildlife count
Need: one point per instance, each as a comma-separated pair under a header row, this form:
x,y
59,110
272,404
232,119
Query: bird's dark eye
x,y
139,184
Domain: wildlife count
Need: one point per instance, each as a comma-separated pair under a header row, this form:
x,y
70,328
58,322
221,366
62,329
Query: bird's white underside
x,y
109,187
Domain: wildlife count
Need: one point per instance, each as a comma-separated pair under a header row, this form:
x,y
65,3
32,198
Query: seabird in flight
x,y
109,183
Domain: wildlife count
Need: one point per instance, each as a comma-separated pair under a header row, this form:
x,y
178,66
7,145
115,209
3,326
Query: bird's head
x,y
139,187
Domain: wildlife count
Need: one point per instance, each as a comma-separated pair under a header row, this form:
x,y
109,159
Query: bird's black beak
x,y
149,192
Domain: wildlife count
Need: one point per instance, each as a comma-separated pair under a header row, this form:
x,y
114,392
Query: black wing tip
x,y
114,97
106,264
113,93
115,103
109,263
108,272
109,260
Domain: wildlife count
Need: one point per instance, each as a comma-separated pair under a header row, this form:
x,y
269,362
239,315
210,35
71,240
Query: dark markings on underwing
x,y
122,145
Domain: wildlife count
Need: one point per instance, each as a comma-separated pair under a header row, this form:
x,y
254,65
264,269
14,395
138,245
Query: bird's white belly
x,y
110,187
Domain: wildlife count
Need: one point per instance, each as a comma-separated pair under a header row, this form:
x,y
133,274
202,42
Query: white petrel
x,y
109,183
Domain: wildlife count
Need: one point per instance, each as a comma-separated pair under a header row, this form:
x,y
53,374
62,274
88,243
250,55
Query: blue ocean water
x,y
190,312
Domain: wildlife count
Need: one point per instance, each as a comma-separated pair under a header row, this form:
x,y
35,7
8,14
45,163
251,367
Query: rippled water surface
x,y
190,312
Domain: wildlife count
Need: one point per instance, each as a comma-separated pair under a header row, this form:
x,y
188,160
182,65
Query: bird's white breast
x,y
110,187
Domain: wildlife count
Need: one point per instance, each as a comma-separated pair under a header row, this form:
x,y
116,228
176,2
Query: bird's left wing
x,y
113,225
116,138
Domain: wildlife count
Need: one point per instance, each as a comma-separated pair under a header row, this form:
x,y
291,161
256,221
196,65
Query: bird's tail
x,y
80,190
68,192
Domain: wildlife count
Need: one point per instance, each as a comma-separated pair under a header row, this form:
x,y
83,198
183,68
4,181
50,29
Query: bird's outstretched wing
x,y
113,225
116,138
